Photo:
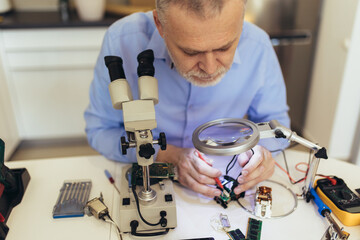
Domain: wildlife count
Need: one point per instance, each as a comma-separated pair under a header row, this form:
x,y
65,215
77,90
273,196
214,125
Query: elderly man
x,y
210,64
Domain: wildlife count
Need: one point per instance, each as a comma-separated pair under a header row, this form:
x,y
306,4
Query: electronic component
x,y
224,221
263,202
96,207
157,172
254,229
236,235
227,192
72,199
344,203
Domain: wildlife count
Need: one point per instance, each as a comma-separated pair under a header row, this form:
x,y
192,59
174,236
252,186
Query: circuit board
x,y
157,171
236,235
227,193
254,229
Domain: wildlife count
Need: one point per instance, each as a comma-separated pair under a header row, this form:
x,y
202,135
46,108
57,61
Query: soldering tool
x,y
334,231
217,180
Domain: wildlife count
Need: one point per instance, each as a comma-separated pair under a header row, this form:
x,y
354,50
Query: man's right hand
x,y
193,172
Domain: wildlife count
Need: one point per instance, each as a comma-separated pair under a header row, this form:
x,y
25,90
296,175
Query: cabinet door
x,y
49,73
8,129
51,103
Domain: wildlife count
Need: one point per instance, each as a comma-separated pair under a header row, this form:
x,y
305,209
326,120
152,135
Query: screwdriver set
x,y
72,199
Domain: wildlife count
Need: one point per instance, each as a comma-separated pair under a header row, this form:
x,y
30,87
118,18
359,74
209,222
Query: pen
x,y
216,178
108,175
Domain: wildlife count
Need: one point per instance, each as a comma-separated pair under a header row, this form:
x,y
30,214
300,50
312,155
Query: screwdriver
x,y
216,178
108,175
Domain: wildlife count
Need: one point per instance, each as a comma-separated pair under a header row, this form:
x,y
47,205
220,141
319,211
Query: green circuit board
x,y
157,171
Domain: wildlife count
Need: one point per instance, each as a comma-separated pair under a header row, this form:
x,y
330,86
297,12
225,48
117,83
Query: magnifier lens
x,y
225,134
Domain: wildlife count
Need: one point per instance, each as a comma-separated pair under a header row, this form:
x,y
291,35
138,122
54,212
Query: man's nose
x,y
208,63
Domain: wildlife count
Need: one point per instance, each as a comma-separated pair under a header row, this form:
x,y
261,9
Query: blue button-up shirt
x,y
253,87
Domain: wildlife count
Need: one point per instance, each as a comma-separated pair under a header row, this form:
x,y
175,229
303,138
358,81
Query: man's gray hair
x,y
202,8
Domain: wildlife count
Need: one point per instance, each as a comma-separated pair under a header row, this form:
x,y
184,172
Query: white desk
x,y
32,219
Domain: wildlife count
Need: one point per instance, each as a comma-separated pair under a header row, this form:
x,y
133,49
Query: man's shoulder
x,y
133,24
255,34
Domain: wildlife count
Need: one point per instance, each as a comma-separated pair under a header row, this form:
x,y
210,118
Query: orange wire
x,y
301,163
288,173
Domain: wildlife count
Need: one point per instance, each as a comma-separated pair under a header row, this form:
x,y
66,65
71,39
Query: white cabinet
x,y
8,128
48,72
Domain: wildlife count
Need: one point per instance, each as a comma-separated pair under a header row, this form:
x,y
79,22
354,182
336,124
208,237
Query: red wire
x,y
332,180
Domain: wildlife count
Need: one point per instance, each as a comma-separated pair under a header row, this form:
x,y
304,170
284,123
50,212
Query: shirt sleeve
x,y
104,124
269,102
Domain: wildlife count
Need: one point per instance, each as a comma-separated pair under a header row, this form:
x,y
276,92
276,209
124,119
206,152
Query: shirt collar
x,y
157,44
237,58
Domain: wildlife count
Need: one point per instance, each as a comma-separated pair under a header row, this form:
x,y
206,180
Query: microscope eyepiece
x,y
146,66
114,65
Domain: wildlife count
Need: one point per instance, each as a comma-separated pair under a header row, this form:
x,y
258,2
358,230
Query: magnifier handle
x,y
274,129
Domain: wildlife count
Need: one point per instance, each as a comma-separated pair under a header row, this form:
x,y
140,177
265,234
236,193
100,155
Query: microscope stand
x,y
165,201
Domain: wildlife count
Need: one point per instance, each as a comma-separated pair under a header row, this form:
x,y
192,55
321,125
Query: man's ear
x,y
158,23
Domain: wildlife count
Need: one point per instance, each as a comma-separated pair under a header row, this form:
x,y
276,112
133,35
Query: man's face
x,y
202,50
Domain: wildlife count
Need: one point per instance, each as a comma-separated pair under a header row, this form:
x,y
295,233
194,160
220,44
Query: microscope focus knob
x,y
162,141
146,150
124,146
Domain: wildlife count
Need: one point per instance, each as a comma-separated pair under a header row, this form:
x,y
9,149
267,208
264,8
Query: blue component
x,y
321,205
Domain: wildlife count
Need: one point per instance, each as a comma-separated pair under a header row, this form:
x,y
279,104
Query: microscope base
x,y
165,201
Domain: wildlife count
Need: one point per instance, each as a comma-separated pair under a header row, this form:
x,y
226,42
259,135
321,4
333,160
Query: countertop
x,y
32,218
42,19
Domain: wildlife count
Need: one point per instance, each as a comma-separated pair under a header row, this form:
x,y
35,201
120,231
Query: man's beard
x,y
202,79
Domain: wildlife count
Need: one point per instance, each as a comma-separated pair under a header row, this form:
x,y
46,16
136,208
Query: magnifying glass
x,y
232,136
227,136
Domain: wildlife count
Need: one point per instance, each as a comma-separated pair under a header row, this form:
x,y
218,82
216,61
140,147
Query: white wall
x,y
334,100
354,79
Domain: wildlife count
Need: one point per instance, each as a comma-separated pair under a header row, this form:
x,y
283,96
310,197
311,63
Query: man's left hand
x,y
257,167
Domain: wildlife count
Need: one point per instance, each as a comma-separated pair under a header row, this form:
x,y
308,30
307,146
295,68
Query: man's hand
x,y
257,167
193,172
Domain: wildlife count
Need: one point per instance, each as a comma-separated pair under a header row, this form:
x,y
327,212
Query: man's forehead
x,y
194,49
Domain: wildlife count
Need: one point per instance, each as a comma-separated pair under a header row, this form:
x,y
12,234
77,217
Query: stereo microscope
x,y
147,206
